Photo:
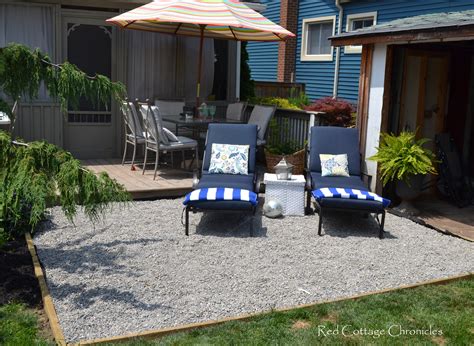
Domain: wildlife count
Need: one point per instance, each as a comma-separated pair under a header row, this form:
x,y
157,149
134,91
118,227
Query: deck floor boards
x,y
447,217
169,182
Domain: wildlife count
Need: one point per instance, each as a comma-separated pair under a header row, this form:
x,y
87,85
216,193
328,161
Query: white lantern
x,y
283,170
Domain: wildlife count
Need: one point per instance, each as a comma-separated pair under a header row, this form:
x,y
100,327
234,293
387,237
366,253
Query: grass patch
x,y
19,326
430,315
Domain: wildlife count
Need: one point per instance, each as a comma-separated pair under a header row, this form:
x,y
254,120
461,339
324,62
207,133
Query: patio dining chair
x,y
159,139
134,134
338,183
261,116
169,107
235,111
229,180
173,109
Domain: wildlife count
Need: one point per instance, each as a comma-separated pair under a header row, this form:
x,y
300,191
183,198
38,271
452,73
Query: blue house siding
x,y
319,75
349,71
263,56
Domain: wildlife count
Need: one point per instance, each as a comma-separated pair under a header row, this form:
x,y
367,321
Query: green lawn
x,y
18,326
447,309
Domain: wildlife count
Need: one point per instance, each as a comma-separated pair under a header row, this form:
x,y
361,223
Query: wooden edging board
x,y
47,300
165,331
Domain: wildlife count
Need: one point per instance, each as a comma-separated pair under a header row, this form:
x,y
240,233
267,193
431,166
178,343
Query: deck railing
x,y
278,89
293,125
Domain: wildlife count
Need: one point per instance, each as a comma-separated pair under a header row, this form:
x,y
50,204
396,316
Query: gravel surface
x,y
137,270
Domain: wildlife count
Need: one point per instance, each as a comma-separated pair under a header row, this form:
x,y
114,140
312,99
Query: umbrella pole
x,y
201,43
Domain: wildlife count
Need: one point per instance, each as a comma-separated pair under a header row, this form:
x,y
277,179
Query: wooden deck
x,y
169,182
447,217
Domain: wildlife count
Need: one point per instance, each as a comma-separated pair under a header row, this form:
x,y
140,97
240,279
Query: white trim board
x,y
374,121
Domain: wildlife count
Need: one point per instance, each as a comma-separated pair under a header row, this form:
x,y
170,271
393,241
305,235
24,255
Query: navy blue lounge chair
x,y
336,141
238,134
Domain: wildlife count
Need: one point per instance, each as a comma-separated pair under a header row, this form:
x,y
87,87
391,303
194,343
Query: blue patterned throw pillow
x,y
229,159
334,165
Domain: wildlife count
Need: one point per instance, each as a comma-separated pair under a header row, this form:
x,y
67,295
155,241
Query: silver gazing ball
x,y
272,209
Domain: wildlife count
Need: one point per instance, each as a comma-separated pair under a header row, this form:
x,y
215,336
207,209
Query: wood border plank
x,y
172,330
47,300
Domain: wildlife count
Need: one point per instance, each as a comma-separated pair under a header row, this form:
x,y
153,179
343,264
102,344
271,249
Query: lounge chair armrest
x,y
307,175
257,183
367,178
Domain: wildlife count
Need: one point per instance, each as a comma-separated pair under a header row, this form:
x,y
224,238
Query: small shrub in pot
x,y
280,145
336,112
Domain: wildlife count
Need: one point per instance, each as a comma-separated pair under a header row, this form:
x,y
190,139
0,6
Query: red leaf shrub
x,y
338,112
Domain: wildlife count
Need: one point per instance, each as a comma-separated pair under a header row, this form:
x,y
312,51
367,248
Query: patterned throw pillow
x,y
229,159
334,165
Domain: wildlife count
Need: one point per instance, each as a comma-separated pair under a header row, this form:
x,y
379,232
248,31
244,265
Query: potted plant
x,y
334,111
403,160
280,146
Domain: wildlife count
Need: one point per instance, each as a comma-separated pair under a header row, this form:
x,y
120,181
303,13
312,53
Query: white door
x,y
88,42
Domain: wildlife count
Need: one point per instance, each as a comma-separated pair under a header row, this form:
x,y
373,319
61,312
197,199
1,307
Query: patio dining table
x,y
197,125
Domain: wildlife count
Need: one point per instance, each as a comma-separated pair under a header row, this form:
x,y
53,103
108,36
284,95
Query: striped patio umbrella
x,y
220,19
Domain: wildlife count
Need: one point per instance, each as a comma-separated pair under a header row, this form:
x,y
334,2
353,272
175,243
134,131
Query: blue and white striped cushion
x,y
333,192
221,194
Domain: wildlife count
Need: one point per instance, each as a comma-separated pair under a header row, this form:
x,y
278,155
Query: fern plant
x,y
402,156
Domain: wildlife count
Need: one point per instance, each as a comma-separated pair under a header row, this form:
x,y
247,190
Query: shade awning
x,y
417,28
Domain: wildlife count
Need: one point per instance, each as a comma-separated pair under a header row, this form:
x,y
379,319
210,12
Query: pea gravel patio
x,y
137,271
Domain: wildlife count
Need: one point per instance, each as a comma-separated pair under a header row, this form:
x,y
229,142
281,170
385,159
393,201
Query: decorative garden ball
x,y
272,209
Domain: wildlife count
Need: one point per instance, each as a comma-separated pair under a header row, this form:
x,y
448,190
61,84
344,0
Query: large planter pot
x,y
408,190
296,159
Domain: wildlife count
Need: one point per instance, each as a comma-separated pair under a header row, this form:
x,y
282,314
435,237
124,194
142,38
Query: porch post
x,y
372,121
364,91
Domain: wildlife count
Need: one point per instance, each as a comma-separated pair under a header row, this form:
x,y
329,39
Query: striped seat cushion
x,y
221,194
333,192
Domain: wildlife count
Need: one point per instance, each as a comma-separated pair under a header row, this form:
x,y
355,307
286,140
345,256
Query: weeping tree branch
x,y
60,66
23,71
37,175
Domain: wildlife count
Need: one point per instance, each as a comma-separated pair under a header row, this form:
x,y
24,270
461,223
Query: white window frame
x,y
350,18
304,41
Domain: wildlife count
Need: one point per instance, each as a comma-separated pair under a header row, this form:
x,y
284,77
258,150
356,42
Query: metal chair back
x,y
235,111
151,127
261,116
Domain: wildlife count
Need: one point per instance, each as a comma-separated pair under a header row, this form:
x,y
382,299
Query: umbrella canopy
x,y
220,19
